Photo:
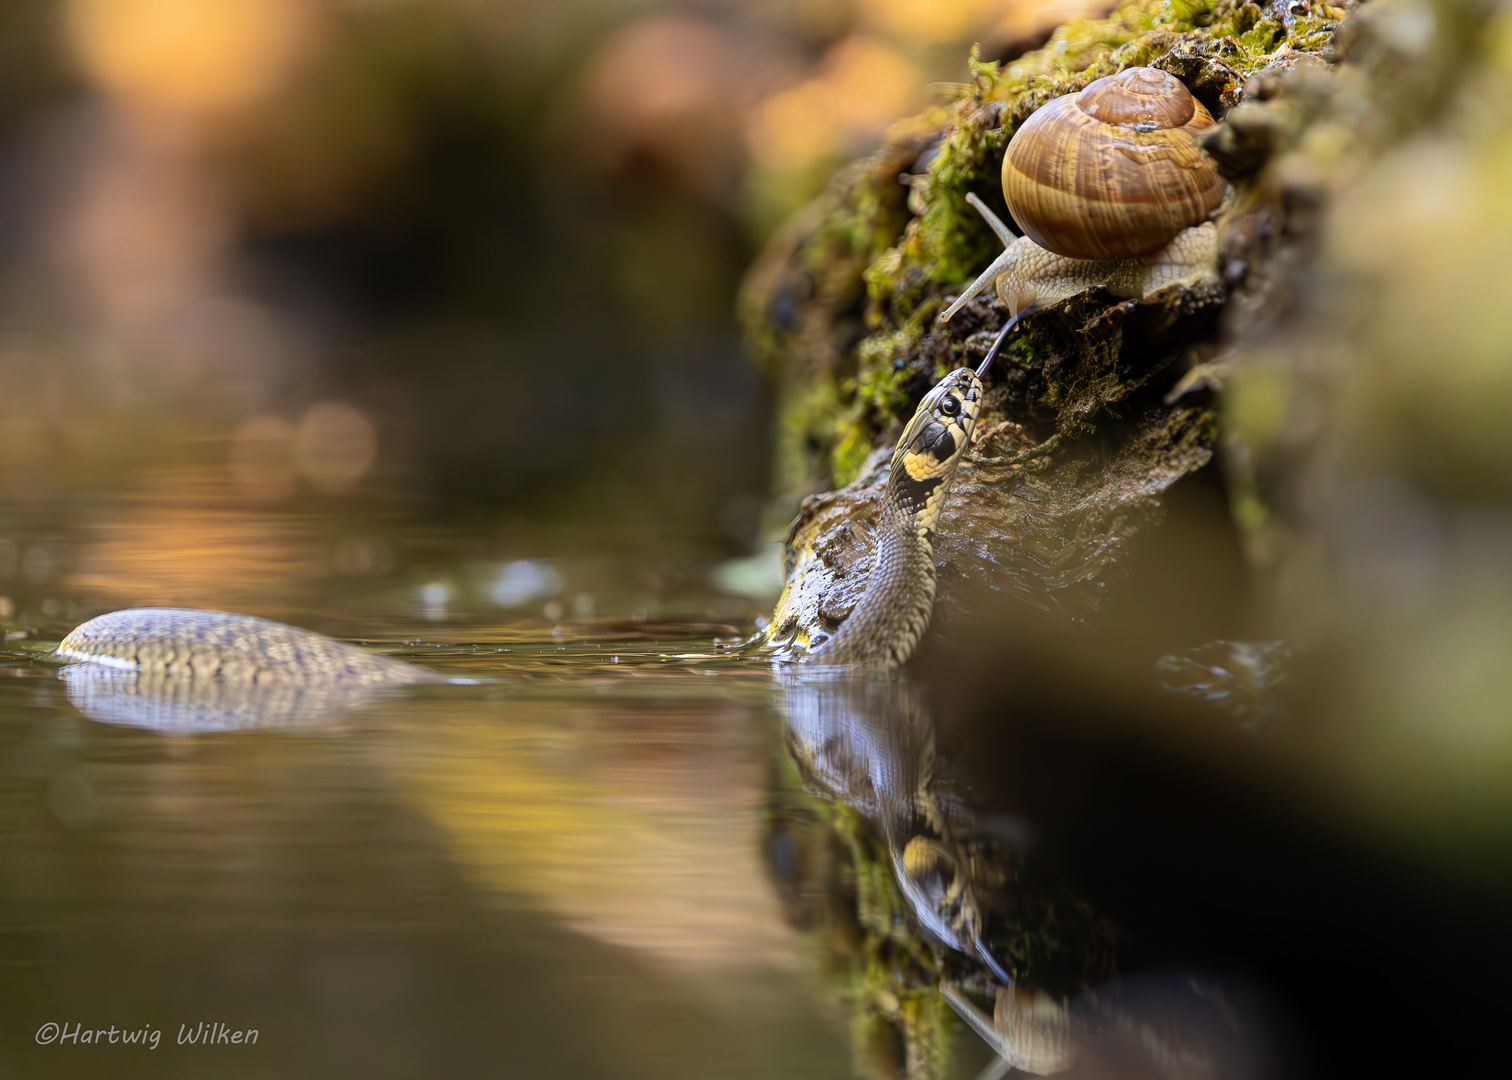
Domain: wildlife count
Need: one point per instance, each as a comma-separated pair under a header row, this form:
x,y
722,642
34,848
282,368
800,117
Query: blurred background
x,y
365,261
402,319
412,320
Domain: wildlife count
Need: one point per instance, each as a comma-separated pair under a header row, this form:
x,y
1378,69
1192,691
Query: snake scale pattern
x,y
886,624
179,643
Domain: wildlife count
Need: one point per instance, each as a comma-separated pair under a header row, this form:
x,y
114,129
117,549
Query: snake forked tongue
x,y
997,344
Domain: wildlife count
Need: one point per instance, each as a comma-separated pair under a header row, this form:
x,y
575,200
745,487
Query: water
x,y
611,847
557,871
561,871
606,845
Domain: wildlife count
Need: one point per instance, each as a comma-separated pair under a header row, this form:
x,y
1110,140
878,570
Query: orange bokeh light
x,y
929,20
188,56
863,85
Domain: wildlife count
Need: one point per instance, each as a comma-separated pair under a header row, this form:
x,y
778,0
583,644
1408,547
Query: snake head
x,y
932,445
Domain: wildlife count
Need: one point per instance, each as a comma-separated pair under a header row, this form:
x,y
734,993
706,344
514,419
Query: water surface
x,y
556,871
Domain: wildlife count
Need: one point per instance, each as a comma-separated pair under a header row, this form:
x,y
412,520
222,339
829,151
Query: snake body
x,y
212,669
893,613
185,644
177,669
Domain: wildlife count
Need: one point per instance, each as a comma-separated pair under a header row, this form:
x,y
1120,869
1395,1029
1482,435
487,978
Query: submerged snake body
x,y
175,669
179,643
893,613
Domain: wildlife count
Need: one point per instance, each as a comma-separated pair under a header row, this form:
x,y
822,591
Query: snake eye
x,y
950,407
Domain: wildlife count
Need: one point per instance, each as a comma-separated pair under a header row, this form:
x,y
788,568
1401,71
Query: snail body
x,y
1110,189
1028,278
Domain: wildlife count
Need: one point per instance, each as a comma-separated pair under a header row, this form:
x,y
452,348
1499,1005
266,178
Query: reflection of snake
x,y
868,741
893,613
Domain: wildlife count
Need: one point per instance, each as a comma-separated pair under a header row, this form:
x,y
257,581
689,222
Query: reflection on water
x,y
867,741
112,696
636,822
571,828
559,871
1237,676
1160,1025
604,845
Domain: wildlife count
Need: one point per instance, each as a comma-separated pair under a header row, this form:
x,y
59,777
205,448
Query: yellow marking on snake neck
x,y
922,466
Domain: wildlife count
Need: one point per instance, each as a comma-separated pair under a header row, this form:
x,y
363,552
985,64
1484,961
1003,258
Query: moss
x,y
850,451
847,294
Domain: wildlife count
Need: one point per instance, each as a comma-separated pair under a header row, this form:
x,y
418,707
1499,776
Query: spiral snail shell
x,y
1111,191
1113,172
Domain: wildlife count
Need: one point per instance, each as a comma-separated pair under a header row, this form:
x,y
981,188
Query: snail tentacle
x,y
1001,265
995,223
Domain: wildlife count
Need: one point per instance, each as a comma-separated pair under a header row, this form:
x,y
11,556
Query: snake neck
x,y
893,612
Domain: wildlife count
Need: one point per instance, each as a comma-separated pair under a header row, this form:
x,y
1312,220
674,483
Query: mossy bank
x,y
1081,433
1346,381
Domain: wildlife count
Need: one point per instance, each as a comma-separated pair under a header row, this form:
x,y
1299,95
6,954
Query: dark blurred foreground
x,y
1233,833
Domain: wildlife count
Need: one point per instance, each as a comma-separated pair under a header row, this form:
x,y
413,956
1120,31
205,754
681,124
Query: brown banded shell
x,y
1113,172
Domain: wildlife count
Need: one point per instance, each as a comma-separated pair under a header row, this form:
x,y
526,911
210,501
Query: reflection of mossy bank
x,y
835,880
835,876
836,883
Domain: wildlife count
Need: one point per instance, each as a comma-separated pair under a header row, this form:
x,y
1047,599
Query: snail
x,y
1110,189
